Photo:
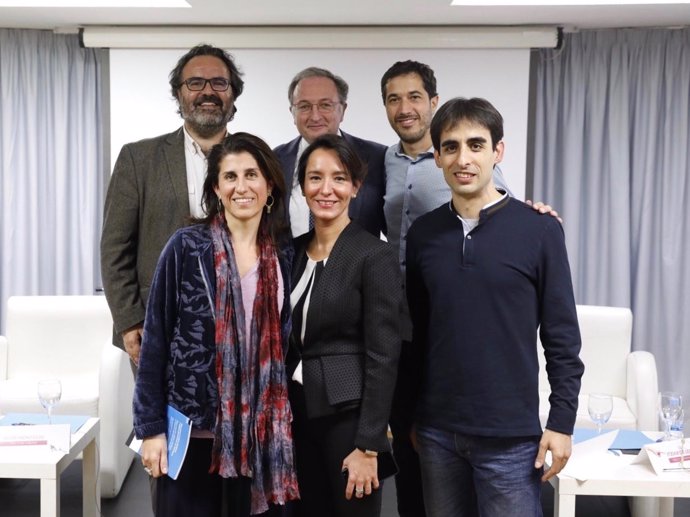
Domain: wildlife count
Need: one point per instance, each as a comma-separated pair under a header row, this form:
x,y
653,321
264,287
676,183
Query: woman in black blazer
x,y
346,298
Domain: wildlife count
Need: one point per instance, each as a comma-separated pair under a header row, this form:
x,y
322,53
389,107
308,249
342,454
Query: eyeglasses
x,y
322,107
196,84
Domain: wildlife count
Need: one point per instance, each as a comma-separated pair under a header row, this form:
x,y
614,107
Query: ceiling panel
x,y
349,12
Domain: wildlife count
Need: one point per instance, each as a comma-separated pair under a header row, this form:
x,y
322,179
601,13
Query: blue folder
x,y
74,421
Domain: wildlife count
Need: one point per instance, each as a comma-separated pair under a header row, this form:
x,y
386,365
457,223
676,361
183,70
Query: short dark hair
x,y
476,110
313,71
353,164
410,67
236,81
275,222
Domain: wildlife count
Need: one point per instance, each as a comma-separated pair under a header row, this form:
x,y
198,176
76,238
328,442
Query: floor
x,y
20,498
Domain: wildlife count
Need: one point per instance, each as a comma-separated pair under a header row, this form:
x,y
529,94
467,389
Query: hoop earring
x,y
269,205
220,206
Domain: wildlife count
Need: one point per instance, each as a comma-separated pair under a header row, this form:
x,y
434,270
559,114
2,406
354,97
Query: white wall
x,y
141,104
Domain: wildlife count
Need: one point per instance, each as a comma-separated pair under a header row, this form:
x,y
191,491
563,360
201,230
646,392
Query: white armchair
x,y
70,338
610,367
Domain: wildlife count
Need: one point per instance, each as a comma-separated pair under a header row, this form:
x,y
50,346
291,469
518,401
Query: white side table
x,y
46,465
594,470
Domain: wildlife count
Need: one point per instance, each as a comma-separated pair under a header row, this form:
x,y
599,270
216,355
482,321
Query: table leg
x,y
565,506
91,481
50,497
666,507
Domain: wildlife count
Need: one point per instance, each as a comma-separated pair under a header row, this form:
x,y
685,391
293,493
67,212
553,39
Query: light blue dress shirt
x,y
413,188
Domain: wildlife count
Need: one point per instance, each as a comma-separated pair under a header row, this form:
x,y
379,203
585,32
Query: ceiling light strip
x,y
302,37
559,3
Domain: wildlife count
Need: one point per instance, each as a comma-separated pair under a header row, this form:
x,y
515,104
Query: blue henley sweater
x,y
476,313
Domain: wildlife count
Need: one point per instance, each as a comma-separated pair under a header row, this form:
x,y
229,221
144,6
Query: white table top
x,y
593,469
39,462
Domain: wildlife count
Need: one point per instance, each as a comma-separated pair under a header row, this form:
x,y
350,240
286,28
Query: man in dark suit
x,y
318,100
157,183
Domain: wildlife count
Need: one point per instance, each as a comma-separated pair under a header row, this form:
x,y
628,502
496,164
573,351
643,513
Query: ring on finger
x,y
148,470
359,491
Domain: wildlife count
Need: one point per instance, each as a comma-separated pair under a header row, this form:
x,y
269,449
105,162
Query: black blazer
x,y
367,207
353,334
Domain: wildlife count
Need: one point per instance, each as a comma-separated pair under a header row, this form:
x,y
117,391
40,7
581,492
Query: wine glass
x,y
49,393
600,407
670,407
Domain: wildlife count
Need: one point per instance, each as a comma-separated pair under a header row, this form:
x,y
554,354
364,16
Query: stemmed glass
x,y
670,407
49,393
600,407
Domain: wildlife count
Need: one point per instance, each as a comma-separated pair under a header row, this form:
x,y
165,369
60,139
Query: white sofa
x,y
70,338
610,367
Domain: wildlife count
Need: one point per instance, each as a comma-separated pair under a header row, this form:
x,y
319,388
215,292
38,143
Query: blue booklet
x,y
179,432
580,434
178,435
74,421
629,441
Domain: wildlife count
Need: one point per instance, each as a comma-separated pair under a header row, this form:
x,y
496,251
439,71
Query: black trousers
x,y
196,493
321,445
408,480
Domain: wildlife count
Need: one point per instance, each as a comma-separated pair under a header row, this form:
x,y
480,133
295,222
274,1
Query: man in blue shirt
x,y
414,186
484,272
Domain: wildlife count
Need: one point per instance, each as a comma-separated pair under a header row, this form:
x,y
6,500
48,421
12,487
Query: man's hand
x,y
132,340
154,455
544,209
560,446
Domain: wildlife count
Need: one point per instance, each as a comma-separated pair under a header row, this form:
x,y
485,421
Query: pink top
x,y
248,285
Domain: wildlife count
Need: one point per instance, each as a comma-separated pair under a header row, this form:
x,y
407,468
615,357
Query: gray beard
x,y
207,125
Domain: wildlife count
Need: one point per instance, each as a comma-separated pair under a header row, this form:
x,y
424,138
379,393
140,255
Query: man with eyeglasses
x,y
157,184
318,100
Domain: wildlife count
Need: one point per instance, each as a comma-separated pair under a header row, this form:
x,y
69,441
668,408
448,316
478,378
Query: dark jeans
x,y
408,480
470,476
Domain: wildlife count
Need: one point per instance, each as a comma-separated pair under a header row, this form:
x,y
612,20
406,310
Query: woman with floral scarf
x,y
215,336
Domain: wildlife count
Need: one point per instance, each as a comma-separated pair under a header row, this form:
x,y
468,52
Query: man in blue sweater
x,y
484,272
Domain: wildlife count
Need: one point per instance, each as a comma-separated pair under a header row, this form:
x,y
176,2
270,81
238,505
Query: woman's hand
x,y
362,475
154,455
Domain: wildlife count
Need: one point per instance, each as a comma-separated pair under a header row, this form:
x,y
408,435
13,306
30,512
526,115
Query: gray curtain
x,y
51,165
611,144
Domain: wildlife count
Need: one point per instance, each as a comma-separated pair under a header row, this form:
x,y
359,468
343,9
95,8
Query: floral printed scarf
x,y
253,437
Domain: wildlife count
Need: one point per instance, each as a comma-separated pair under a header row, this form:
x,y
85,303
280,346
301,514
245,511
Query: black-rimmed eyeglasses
x,y
196,84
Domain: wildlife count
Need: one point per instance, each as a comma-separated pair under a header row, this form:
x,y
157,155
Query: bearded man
x,y
157,184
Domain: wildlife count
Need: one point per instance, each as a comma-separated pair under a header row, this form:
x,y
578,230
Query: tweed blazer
x,y
147,201
367,207
353,332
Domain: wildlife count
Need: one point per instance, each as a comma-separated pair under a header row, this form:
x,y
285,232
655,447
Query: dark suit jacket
x,y
352,339
147,201
367,207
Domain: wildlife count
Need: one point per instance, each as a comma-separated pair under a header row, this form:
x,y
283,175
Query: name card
x,y
48,436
